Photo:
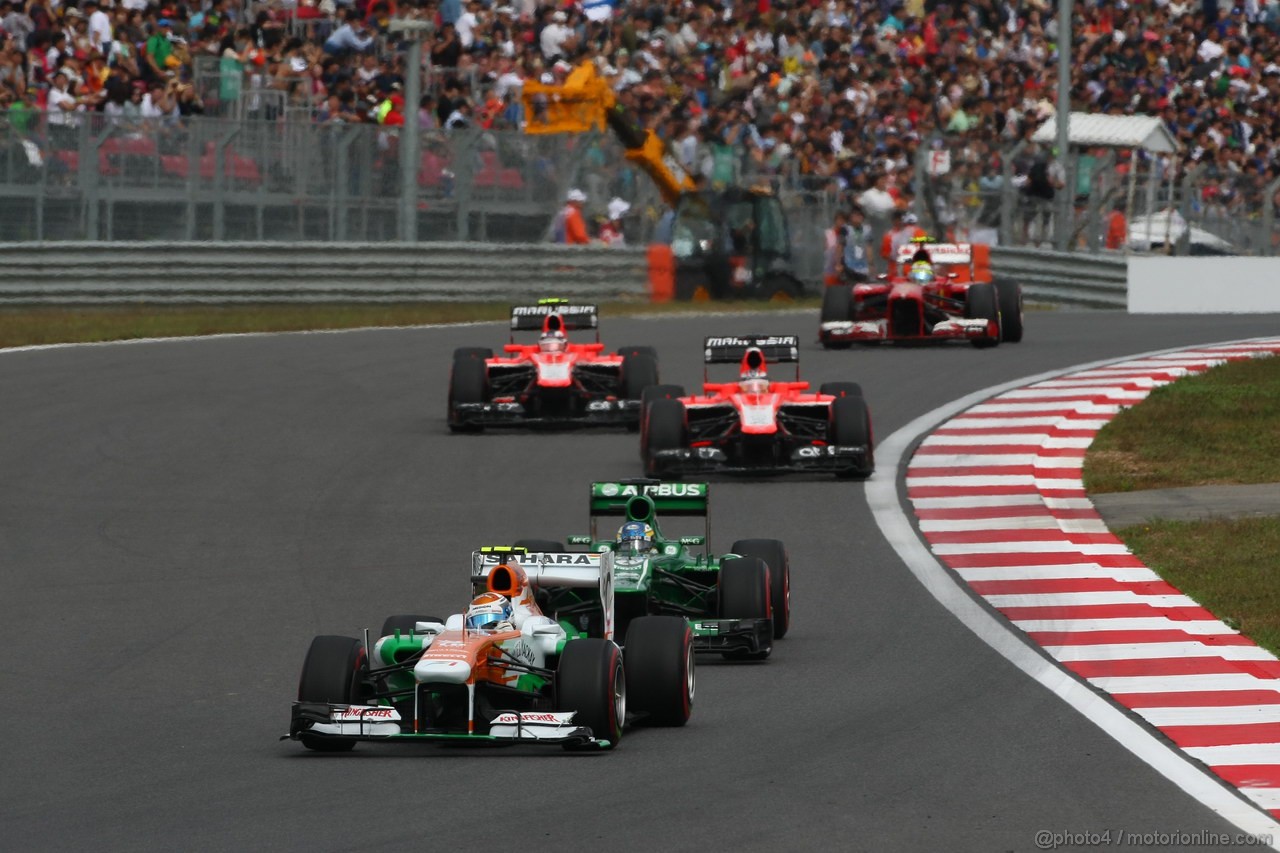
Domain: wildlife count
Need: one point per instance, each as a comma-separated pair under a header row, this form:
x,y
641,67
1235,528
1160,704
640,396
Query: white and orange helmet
x,y
487,611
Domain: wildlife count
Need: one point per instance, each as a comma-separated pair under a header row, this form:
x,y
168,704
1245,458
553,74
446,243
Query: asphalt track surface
x,y
180,518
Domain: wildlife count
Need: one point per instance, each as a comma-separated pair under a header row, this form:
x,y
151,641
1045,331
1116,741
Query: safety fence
x,y
192,272
272,171
195,272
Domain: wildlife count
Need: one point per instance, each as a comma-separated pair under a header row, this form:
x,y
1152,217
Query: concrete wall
x,y
1204,285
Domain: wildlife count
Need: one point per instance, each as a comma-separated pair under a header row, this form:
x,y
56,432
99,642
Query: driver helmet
x,y
635,537
489,611
552,342
921,272
754,381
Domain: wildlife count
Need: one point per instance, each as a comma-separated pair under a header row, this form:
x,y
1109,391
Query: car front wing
x,y
728,635
382,723
513,414
838,331
829,458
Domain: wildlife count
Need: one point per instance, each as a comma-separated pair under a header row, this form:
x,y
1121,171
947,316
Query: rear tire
x,y
468,383
549,546
774,555
837,307
660,669
743,585
664,430
404,624
591,681
980,304
1009,297
850,426
333,673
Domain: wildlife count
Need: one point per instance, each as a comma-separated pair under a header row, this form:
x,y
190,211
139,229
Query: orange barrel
x,y
662,273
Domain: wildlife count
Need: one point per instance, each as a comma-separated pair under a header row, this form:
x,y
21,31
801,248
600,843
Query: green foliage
x,y
1227,565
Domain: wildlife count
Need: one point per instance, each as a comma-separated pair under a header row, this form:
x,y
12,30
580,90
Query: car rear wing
x,y
939,253
530,318
663,499
731,350
668,498
548,569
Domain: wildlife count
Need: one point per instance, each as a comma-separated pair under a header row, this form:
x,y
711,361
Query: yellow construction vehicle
x,y
730,242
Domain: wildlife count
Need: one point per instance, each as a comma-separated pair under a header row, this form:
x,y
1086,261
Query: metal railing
x,y
189,272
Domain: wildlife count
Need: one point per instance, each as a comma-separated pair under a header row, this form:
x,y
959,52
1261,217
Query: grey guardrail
x,y
180,272
1065,278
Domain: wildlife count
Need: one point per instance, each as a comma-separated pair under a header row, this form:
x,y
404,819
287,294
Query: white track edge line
x,y
885,502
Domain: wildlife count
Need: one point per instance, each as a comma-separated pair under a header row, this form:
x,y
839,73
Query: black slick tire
x,y
1009,298
333,673
850,426
743,588
980,304
638,350
837,307
661,677
639,371
468,383
841,389
664,430
591,681
774,555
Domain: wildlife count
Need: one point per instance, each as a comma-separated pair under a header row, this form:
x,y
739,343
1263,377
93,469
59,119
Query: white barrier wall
x,y
1210,285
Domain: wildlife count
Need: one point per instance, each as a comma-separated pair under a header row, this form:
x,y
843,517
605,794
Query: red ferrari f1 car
x,y
553,382
935,297
756,425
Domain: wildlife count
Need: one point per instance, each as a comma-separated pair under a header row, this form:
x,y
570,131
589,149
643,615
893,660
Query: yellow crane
x,y
586,102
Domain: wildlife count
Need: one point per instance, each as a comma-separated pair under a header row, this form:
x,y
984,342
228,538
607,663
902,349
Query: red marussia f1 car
x,y
553,382
756,425
934,298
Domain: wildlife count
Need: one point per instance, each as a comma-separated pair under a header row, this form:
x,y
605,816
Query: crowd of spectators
x,y
834,93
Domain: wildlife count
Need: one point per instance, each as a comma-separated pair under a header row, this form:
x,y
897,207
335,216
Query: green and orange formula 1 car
x,y
528,676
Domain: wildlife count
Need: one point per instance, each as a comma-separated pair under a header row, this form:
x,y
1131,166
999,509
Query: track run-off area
x,y
181,517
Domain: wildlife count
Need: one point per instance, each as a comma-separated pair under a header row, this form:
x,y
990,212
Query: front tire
x,y
743,585
774,555
841,389
639,371
664,430
850,426
468,383
980,304
660,672
333,673
837,307
591,681
1009,298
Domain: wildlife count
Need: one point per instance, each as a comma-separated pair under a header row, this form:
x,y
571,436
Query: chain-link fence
x,y
261,170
